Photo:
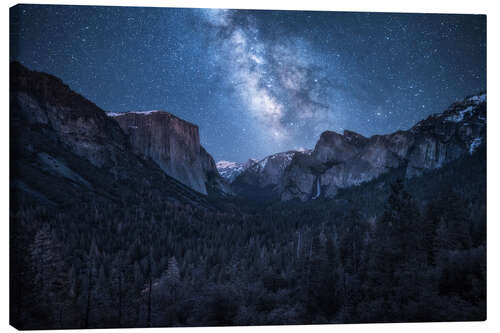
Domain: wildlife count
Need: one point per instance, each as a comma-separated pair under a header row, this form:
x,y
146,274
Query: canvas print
x,y
217,167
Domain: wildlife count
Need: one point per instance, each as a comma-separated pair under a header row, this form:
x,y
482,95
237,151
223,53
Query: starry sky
x,y
258,82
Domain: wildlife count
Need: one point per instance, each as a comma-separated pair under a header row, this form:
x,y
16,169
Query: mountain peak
x,y
149,113
118,114
77,150
172,142
230,170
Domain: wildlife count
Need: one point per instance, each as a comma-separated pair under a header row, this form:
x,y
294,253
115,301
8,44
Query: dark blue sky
x,y
258,82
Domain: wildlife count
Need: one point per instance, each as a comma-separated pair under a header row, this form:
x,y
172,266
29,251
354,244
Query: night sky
x,y
258,82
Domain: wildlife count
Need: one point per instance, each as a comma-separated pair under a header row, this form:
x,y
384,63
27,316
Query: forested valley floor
x,y
387,251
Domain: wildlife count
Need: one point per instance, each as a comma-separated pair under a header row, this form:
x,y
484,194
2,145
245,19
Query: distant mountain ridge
x,y
64,139
348,159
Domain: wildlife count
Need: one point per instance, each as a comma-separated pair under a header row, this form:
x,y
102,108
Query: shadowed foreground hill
x,y
65,150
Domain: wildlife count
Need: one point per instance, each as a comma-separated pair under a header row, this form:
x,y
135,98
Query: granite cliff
x,y
64,139
65,149
343,160
174,144
340,161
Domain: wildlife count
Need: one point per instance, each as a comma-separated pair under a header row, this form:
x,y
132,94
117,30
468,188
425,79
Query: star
x,y
267,80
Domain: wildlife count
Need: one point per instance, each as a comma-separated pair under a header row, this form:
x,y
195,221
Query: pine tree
x,y
453,213
430,239
352,241
173,275
91,269
51,278
397,260
402,218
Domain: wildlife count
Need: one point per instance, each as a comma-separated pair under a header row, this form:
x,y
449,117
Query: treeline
x,y
417,256
160,264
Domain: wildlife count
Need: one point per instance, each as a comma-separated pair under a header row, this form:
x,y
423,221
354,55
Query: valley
x,y
125,220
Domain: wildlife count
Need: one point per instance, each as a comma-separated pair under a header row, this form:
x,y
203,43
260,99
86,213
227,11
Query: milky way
x,y
258,82
278,81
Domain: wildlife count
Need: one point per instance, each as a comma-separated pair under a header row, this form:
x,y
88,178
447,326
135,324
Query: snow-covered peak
x,y
288,155
250,162
262,163
465,109
471,109
478,99
226,164
230,170
280,160
117,114
269,165
305,151
459,116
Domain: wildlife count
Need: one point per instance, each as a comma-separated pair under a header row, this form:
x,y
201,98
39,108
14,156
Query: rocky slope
x,y
348,159
264,174
344,160
64,148
174,144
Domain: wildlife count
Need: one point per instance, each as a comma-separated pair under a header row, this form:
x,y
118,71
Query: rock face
x,y
268,171
343,160
340,161
66,148
263,178
173,143
44,100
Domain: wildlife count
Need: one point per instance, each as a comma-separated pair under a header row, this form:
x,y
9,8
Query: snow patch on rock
x,y
117,114
460,115
474,145
478,99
